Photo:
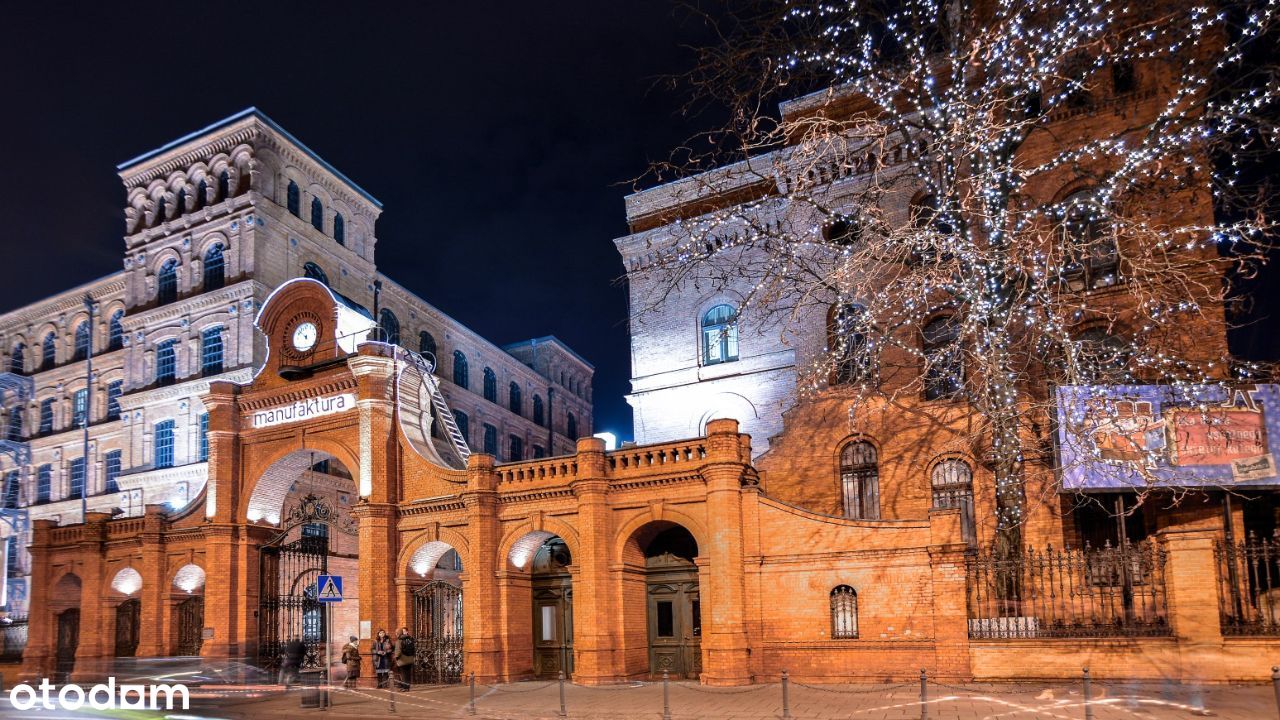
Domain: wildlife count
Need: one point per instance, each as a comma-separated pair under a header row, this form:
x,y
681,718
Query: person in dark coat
x,y
351,658
382,650
291,664
405,656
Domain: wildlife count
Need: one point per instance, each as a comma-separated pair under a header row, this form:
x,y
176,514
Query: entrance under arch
x,y
673,604
552,610
437,614
66,600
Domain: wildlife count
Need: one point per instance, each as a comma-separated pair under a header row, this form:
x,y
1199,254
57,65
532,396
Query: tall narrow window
x,y
211,351
461,375
115,331
166,362
12,490
224,185
79,407
847,340
515,446
719,335
539,415
427,345
11,557
82,341
317,214
571,427
315,272
844,613
293,199
46,416
76,476
202,453
860,480
215,267
162,440
202,194
1123,79
514,400
952,482
115,389
464,424
13,429
490,385
944,363
49,351
491,439
390,326
182,202
1090,253
18,360
111,471
339,229
162,212
44,483
167,282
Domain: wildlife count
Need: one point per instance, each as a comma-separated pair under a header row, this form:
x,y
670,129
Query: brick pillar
x,y
152,635
725,653
97,626
223,492
42,628
480,596
1191,585
595,604
948,584
224,594
377,562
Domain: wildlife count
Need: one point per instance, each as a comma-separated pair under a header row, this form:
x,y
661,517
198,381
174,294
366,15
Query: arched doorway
x,y
546,558
188,610
309,494
673,605
128,621
66,609
437,614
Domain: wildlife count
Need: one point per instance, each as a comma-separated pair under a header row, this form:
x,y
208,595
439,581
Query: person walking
x,y
291,661
382,650
405,655
351,658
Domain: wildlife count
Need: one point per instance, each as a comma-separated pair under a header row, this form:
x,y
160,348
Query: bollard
x,y
924,695
562,712
1088,694
471,706
666,696
1275,684
786,696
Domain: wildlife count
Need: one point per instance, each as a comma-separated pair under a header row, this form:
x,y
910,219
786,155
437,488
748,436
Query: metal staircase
x,y
421,404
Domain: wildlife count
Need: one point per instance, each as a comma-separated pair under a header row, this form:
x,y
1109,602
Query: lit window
x,y
215,267
461,375
490,439
115,331
167,282
952,482
163,441
339,229
77,478
514,400
44,483
844,613
82,341
115,389
719,335
539,415
203,447
13,431
211,351
944,363
490,385
390,326
860,480
112,469
166,362
79,406
293,199
317,214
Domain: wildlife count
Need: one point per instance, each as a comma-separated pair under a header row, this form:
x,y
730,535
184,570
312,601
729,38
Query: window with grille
x,y
44,483
571,427
166,362
163,441
115,389
203,442
48,351
539,415
491,439
13,430
847,340
952,482
79,407
12,490
461,374
115,331
860,480
1090,253
339,229
317,214
514,401
844,613
167,282
719,335
77,478
515,445
215,268
293,199
46,416
211,351
82,341
112,472
944,363
490,385
464,424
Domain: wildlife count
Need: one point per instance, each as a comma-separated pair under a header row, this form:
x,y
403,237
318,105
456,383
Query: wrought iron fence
x,y
13,639
1249,586
1095,592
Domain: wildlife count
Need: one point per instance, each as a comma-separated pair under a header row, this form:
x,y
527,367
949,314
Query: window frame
x,y
844,612
166,372
212,351
163,430
215,268
720,333
859,477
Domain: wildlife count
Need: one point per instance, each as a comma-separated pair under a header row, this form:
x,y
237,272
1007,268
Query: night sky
x,y
501,139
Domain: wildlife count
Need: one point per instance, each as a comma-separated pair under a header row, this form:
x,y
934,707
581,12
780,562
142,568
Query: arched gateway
x,y
603,565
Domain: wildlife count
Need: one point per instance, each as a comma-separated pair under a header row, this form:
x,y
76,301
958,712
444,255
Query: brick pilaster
x,y
1191,585
947,551
480,596
725,650
595,605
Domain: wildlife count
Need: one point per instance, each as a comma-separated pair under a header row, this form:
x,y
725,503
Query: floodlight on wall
x,y
127,581
189,578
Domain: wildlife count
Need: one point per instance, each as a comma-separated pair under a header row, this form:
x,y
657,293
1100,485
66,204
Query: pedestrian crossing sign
x,y
329,588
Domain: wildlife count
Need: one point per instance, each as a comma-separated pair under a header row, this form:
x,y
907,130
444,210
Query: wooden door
x,y
128,618
675,625
68,641
190,614
552,627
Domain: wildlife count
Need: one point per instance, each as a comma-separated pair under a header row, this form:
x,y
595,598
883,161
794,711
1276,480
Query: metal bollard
x,y
562,713
666,695
1275,684
924,694
1088,695
471,706
786,696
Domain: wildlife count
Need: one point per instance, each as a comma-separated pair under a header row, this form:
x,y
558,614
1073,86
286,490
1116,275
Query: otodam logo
x,y
103,696
303,409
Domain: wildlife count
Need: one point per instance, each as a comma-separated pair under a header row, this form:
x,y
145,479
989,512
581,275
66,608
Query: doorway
x,y
68,641
128,618
552,610
674,605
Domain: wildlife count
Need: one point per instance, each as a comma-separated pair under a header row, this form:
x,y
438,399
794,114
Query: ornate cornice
x,y
105,289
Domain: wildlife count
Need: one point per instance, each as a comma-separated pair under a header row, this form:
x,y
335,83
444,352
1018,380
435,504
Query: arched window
x,y
162,441
389,325
514,402
427,345
515,448
317,214
1091,259
115,331
944,362
844,231
339,229
167,282
844,613
719,335
860,480
18,359
464,424
202,194
293,199
211,351
461,375
161,211
1101,358
490,385
847,340
539,416
214,268
952,482
224,185
182,201
49,351
46,416
166,362
490,440
82,341
12,493
571,427
313,271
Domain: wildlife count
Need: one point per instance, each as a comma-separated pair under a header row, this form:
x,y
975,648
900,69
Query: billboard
x,y
1116,437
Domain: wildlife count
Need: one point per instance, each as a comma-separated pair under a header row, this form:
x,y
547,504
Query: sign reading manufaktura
x,y
304,410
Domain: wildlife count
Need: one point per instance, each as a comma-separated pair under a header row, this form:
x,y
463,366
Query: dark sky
x,y
496,136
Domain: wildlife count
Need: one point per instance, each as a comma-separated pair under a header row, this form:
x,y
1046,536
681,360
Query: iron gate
x,y
191,625
68,641
437,633
288,606
128,618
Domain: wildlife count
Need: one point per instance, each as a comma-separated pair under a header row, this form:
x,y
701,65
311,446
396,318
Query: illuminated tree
x,y
992,197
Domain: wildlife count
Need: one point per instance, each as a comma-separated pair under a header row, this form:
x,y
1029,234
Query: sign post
x,y
328,591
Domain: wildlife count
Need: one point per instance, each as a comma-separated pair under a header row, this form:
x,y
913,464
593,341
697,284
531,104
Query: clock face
x,y
304,336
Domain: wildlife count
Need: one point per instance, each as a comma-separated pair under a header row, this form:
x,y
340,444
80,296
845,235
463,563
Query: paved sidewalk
x,y
688,701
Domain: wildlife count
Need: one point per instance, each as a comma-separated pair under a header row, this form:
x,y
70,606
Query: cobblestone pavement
x,y
1111,701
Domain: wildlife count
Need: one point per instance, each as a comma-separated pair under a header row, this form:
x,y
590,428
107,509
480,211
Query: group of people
x,y
390,657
